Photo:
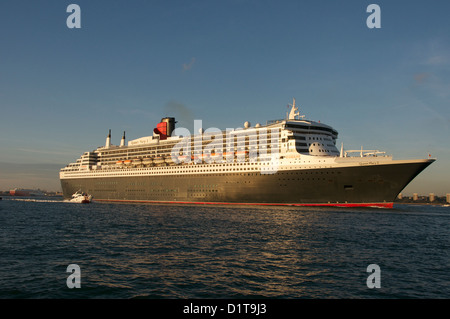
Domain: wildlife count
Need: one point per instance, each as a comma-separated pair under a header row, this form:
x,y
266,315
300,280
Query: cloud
x,y
188,66
421,77
436,52
432,86
437,60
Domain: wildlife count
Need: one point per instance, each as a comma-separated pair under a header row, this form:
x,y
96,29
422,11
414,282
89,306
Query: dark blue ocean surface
x,y
158,251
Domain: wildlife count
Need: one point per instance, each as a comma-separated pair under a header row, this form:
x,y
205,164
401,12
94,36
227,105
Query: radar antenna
x,y
295,113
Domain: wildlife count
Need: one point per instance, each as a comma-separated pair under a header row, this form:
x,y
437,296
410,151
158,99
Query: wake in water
x,y
36,200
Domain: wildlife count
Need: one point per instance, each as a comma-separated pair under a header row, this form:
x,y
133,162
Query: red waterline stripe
x,y
382,205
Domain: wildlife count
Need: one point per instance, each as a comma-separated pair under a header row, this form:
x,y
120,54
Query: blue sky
x,y
224,62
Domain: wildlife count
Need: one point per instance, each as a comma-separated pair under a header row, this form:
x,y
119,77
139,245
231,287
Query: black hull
x,y
371,185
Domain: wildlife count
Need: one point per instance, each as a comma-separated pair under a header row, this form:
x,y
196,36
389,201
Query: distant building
x,y
25,192
415,196
432,198
448,198
400,196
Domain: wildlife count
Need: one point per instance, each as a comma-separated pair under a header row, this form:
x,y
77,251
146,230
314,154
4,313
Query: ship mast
x,y
295,113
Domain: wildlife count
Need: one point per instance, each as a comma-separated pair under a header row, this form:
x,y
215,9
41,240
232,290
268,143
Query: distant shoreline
x,y
423,200
420,203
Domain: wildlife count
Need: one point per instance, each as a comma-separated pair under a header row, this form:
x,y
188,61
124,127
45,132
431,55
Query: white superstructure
x,y
292,143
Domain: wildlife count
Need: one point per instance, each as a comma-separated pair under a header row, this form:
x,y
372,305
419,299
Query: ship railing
x,y
274,121
364,153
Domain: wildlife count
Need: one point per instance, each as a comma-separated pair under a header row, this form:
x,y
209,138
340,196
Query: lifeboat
x,y
183,158
119,163
204,157
147,161
218,157
158,160
228,154
242,153
127,162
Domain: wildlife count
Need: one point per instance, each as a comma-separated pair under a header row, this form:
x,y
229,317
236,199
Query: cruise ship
x,y
291,161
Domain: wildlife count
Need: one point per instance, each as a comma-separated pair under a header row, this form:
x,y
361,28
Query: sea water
x,y
151,251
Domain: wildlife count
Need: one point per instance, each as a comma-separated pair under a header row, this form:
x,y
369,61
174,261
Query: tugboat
x,y
81,197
